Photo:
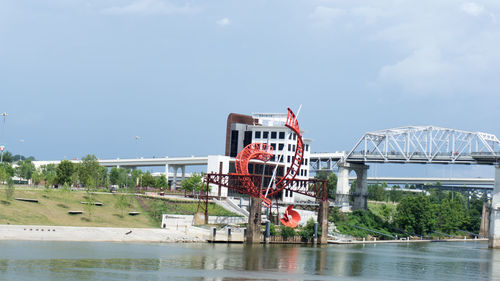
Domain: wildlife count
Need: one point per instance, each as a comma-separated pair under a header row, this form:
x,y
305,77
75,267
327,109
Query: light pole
x,y
2,145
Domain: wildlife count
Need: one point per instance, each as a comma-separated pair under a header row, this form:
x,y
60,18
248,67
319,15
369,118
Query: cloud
x,y
223,22
472,8
423,67
325,15
421,49
152,7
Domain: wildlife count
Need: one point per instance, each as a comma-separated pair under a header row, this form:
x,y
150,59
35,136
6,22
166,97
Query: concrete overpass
x,y
484,182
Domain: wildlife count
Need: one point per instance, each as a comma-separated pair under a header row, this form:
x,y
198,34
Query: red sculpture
x,y
291,217
264,152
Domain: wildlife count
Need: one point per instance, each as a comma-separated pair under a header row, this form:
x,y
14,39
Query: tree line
x,y
84,174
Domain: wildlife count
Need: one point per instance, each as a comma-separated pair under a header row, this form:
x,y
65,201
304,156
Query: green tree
x,y
64,171
161,182
36,177
376,192
9,191
6,172
148,179
416,214
472,222
114,176
89,170
122,203
49,174
395,194
102,176
90,189
331,177
452,215
7,157
24,169
135,176
193,183
7,168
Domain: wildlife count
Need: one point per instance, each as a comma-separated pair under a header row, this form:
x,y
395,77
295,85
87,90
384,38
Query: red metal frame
x,y
264,152
310,187
243,182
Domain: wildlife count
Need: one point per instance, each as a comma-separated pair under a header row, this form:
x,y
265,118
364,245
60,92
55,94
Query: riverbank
x,y
404,241
102,234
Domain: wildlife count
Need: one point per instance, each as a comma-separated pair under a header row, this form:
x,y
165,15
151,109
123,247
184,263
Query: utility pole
x,y
2,145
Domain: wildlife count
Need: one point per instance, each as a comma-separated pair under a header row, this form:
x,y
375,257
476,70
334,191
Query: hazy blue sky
x,y
87,76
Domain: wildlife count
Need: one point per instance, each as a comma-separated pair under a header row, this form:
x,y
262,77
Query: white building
x,y
266,128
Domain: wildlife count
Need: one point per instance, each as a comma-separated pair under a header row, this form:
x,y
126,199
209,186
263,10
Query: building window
x,y
281,146
282,135
257,134
294,136
293,147
288,158
273,135
247,138
305,173
289,147
305,161
265,135
273,145
307,147
233,148
281,159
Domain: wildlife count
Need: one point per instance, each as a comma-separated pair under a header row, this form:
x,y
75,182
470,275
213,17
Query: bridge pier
x,y
176,167
361,192
343,187
494,229
342,196
323,221
254,220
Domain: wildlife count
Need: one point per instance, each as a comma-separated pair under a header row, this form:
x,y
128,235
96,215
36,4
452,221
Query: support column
x,y
323,221
254,220
494,230
166,174
361,193
485,220
174,182
342,194
183,171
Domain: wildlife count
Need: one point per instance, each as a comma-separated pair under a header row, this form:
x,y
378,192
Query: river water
x,y
35,260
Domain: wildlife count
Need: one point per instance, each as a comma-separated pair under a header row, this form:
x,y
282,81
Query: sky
x,y
82,77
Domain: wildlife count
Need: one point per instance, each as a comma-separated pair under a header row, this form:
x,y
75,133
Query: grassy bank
x,y
156,207
53,208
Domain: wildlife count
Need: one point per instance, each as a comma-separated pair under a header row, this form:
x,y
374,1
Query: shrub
x,y
273,231
287,231
307,232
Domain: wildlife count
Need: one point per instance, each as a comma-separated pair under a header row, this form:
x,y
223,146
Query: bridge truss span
x,y
426,144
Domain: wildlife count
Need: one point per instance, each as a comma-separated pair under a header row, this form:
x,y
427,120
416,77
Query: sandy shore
x,y
109,234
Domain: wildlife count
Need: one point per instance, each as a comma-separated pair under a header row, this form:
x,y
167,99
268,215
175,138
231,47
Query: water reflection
x,y
114,261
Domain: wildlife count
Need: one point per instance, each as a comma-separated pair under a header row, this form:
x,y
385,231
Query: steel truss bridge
x,y
416,144
426,144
